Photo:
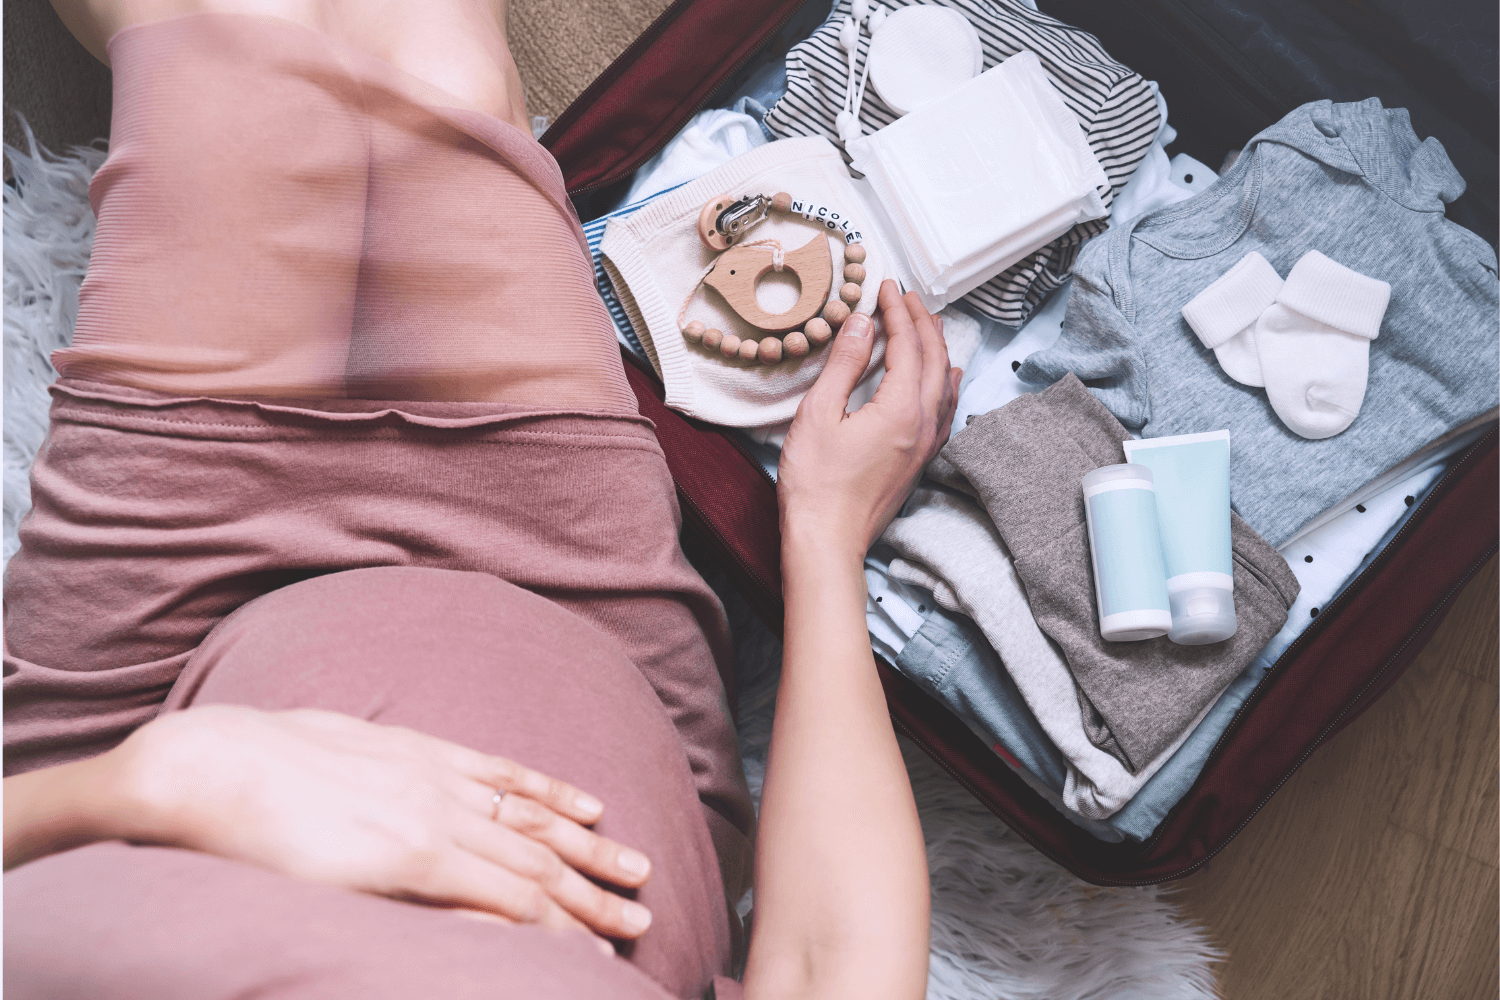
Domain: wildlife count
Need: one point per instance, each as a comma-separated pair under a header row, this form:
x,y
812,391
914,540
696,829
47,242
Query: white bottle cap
x,y
1201,614
1135,626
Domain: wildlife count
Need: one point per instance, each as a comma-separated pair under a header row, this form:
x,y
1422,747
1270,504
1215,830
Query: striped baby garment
x,y
1114,105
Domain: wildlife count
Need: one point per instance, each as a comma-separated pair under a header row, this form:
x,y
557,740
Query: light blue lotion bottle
x,y
1191,474
1130,577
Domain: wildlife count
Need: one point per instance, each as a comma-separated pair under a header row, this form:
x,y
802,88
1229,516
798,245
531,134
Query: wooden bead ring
x,y
735,273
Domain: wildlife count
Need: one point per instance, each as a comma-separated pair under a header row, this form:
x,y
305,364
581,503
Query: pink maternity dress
x,y
344,426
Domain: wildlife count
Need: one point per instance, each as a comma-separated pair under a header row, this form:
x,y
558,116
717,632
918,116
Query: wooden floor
x,y
1372,873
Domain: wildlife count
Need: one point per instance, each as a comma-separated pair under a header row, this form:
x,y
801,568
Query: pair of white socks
x,y
1305,339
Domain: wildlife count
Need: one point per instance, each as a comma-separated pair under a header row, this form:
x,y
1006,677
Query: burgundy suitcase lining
x,y
666,76
1355,650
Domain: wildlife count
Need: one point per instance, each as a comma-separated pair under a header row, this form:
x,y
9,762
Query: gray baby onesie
x,y
1352,181
1024,461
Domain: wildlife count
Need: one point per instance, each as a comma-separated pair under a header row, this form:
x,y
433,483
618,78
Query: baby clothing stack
x,y
1016,562
1356,385
1114,106
1353,182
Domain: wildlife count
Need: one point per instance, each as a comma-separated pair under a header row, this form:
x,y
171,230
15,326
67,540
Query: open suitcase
x,y
1226,79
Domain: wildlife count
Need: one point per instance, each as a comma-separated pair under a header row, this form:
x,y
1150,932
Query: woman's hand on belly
x,y
381,809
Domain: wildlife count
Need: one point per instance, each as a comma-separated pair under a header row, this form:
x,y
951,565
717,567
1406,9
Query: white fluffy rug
x,y
1006,922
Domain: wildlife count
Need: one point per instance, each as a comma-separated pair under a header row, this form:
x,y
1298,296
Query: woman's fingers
x,y
929,333
950,406
502,774
584,849
901,387
848,357
599,909
468,881
496,772
579,846
903,345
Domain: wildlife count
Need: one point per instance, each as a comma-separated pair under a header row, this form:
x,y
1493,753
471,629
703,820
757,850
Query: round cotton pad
x,y
921,53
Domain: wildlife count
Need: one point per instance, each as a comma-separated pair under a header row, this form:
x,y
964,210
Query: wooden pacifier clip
x,y
740,266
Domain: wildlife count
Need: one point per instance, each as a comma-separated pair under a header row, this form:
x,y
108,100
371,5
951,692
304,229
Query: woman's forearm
x,y
59,808
841,899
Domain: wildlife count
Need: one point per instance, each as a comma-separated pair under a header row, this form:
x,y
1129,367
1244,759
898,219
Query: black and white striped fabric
x,y
1114,105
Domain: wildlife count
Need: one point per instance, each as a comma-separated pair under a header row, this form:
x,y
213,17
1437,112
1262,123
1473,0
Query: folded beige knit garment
x,y
654,258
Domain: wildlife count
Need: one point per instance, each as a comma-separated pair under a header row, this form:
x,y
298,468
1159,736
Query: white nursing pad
x,y
976,181
921,53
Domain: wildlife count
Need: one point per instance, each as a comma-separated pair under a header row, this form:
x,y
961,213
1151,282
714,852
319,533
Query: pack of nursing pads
x,y
978,179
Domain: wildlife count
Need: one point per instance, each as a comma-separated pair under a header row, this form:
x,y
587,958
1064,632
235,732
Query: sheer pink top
x,y
284,215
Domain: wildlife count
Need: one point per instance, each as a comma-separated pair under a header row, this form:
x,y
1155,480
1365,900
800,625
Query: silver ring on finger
x,y
495,801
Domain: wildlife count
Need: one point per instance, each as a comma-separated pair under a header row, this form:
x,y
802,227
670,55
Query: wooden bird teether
x,y
740,266
739,270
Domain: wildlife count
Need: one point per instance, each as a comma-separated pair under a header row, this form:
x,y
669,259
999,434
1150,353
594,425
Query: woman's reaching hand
x,y
336,799
843,476
836,804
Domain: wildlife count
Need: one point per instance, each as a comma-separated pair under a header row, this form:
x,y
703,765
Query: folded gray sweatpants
x,y
1024,462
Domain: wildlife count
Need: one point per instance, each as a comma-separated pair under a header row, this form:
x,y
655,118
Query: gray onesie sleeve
x,y
1099,345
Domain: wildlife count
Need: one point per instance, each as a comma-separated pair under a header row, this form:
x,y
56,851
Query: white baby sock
x,y
1223,315
1314,344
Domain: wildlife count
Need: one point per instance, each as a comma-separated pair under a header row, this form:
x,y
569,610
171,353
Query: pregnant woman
x,y
350,651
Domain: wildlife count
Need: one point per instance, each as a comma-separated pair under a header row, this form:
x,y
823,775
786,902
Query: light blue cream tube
x,y
1191,476
1130,582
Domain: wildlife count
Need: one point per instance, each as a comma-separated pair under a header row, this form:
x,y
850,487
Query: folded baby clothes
x,y
1114,106
949,656
1353,182
948,545
1025,461
655,261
